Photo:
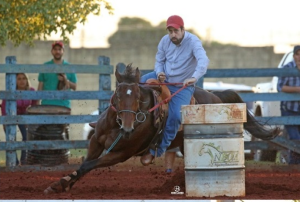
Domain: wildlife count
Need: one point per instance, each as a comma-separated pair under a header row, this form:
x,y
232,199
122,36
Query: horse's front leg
x,y
66,183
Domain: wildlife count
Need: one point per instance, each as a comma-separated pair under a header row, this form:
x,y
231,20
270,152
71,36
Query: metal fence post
x,y
104,82
11,109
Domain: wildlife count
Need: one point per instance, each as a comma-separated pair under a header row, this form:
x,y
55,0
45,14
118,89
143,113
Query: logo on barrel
x,y
177,190
218,156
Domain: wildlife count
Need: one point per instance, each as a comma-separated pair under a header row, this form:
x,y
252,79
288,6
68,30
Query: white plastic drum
x,y
214,149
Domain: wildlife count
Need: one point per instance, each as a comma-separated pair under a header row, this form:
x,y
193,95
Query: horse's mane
x,y
129,75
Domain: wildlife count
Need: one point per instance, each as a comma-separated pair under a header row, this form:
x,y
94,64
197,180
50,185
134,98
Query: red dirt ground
x,y
130,180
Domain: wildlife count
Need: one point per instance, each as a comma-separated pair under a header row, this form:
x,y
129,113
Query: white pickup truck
x,y
269,108
262,108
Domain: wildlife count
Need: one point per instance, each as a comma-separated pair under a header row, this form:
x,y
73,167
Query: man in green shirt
x,y
61,81
53,81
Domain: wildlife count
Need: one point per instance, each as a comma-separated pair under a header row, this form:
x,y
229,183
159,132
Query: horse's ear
x,y
118,76
137,75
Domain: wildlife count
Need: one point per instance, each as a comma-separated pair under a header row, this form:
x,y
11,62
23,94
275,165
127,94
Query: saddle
x,y
164,93
160,93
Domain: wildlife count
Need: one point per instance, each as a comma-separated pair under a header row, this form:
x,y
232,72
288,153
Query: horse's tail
x,y
253,126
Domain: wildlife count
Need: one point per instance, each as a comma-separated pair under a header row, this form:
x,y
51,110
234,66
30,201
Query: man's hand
x,y
189,81
161,76
62,77
63,82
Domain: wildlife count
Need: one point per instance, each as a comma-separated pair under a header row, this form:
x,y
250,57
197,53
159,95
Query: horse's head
x,y
127,97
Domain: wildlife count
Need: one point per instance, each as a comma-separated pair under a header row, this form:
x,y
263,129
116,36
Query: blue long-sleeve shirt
x,y
179,62
289,81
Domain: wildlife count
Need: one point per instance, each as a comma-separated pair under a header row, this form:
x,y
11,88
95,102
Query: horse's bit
x,y
138,114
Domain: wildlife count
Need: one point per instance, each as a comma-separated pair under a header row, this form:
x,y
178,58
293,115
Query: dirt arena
x,y
130,180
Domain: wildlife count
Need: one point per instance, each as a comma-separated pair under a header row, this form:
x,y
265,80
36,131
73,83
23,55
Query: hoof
x,y
63,185
49,190
54,188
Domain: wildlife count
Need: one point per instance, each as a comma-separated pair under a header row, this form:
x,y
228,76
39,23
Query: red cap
x,y
58,43
175,21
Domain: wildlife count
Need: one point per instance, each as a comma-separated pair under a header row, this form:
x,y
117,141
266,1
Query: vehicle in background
x,y
88,131
270,108
240,88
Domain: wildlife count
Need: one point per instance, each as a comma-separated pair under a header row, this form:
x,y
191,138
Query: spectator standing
x,y
53,81
291,84
60,81
23,83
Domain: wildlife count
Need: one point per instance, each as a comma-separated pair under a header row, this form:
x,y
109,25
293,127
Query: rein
x,y
165,101
161,84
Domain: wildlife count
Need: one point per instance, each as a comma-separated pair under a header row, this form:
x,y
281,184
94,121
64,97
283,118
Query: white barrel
x,y
214,149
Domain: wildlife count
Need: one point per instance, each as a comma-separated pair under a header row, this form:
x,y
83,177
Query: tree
x,y
27,20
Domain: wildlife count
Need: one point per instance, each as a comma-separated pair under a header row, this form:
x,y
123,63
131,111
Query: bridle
x,y
140,116
140,112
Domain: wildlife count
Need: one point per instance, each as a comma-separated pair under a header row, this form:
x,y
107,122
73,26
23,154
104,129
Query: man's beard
x,y
176,41
58,57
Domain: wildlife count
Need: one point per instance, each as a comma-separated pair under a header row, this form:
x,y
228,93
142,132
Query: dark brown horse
x,y
129,120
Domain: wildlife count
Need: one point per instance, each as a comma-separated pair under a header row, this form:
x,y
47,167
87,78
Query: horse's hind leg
x,y
65,184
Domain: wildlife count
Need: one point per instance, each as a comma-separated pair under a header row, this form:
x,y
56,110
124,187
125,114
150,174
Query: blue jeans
x,y
294,134
174,117
151,75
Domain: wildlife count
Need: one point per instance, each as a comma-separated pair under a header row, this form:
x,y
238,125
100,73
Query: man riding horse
x,y
180,58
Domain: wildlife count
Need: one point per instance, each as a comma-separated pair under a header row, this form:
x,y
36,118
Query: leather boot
x,y
147,159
